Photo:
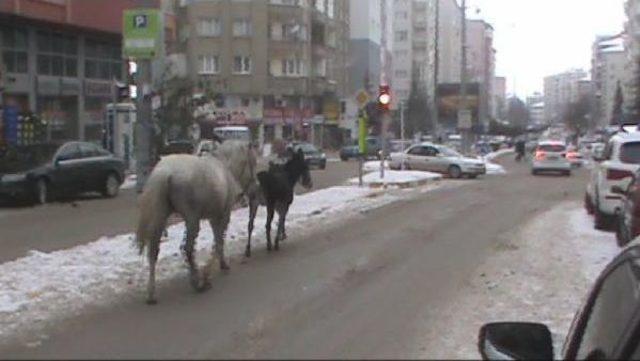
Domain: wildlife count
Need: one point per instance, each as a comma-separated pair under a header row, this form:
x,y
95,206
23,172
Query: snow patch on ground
x,y
43,288
373,166
542,275
397,177
502,152
129,182
495,169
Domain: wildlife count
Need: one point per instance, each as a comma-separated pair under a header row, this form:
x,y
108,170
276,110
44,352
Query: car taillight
x,y
541,155
572,155
618,174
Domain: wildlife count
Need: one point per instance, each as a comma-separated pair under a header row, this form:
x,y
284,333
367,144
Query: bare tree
x,y
576,115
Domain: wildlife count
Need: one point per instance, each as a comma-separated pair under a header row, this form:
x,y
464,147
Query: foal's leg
x,y
270,210
191,233
282,209
253,209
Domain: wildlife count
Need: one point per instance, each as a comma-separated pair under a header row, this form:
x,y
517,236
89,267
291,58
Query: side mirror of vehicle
x,y
515,341
618,190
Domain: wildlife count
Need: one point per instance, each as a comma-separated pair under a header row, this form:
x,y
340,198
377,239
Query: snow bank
x,y
129,182
542,275
495,169
392,177
502,152
374,166
45,287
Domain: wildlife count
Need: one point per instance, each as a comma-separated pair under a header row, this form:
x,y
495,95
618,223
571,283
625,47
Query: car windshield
x,y
448,152
307,148
630,153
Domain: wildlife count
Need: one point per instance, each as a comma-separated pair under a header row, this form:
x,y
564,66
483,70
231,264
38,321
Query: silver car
x,y
551,156
440,159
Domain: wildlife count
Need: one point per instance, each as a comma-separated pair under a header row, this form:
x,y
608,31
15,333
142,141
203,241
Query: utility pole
x,y
402,131
434,107
466,131
144,124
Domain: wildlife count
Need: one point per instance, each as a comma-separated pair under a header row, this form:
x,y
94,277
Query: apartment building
x,y
61,60
559,91
500,96
279,66
481,66
632,52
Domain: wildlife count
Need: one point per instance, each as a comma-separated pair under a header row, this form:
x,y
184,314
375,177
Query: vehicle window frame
x,y
95,151
580,323
56,157
430,151
418,148
608,151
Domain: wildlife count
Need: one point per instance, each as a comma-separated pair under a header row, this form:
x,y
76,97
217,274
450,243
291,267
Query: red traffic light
x,y
384,97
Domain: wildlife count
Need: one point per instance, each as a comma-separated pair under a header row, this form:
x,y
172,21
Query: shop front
x,y
97,96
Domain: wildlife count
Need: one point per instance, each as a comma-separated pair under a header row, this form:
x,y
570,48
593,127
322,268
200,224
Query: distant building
x,y
500,96
560,90
279,66
536,113
609,62
481,66
632,52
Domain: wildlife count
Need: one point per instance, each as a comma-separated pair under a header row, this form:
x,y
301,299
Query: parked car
x,y
438,158
72,168
605,328
314,156
550,156
620,160
483,148
575,157
374,146
628,215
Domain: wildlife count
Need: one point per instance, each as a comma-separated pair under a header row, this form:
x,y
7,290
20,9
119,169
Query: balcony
x,y
288,85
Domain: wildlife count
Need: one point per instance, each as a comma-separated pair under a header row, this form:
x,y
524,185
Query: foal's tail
x,y
154,208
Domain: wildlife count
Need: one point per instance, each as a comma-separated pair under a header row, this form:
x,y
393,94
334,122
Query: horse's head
x,y
299,167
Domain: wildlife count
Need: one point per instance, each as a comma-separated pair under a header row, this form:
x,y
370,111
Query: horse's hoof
x,y
277,248
204,287
247,254
152,302
224,266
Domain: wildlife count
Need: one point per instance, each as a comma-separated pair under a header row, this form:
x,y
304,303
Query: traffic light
x,y
384,98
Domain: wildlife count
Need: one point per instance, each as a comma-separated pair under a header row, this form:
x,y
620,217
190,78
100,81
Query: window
x,y
416,151
402,35
609,317
630,153
209,64
292,67
57,54
89,150
430,152
241,27
69,151
103,60
242,65
14,49
209,27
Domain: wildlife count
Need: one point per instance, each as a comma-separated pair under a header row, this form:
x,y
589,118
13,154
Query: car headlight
x,y
13,178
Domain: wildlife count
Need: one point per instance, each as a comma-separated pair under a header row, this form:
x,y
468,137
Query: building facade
x,y
608,72
500,96
279,66
560,90
365,52
632,52
481,66
60,61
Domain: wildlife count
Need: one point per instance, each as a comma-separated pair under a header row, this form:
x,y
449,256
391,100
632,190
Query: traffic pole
x,y
144,123
402,132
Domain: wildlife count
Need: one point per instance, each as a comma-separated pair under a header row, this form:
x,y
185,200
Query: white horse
x,y
196,188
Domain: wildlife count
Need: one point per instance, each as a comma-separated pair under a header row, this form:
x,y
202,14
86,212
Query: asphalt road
x,y
68,223
363,288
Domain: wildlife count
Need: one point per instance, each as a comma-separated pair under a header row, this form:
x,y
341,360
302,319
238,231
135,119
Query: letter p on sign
x,y
140,21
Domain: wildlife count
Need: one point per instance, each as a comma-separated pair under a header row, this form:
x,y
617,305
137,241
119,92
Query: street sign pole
x,y
362,143
402,132
144,126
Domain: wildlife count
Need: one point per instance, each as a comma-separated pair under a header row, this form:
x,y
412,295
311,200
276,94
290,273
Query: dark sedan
x,y
314,156
43,172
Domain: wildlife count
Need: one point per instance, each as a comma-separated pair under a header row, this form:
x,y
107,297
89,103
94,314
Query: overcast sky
x,y
535,38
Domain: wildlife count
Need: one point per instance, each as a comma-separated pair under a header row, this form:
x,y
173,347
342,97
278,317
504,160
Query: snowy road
x,y
369,285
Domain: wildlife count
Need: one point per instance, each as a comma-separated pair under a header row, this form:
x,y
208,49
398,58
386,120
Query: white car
x,y
551,156
619,161
437,158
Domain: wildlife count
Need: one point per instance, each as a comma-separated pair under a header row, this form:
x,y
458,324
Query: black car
x,y
314,156
606,328
374,146
40,173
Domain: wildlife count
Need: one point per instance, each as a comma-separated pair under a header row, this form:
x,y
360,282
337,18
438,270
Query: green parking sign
x,y
141,35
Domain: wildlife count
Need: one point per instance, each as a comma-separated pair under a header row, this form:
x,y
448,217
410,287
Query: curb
x,y
402,185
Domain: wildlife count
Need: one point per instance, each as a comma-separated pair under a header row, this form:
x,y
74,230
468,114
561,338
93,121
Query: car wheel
x,y
42,193
623,231
567,173
602,222
111,186
534,172
588,204
323,166
344,159
473,176
455,172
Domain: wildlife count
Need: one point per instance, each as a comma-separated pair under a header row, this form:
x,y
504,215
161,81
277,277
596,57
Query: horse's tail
x,y
154,207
